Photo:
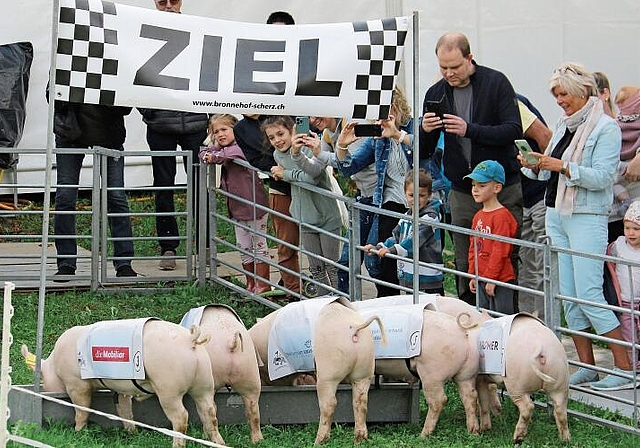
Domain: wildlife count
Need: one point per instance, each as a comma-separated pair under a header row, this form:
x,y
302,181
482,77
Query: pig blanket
x,y
194,315
112,349
492,344
290,339
402,321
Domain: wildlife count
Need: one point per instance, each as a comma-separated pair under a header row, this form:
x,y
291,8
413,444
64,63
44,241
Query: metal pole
x,y
99,252
416,155
355,263
47,196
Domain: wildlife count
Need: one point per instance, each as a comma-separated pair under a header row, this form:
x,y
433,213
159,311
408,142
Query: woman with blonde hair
x,y
580,164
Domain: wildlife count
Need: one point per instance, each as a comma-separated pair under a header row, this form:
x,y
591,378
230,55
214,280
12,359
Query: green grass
x,y
63,310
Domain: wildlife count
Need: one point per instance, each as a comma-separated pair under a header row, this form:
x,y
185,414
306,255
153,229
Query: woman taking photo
x,y
580,164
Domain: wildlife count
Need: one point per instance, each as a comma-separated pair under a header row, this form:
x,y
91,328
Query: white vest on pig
x,y
492,344
112,349
194,315
290,346
402,320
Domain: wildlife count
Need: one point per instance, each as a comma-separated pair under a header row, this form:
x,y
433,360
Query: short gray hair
x,y
575,79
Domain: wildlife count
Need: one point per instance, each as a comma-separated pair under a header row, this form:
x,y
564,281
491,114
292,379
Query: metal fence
x,y
223,269
625,402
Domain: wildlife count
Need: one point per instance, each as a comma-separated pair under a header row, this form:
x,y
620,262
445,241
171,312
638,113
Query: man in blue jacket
x,y
480,118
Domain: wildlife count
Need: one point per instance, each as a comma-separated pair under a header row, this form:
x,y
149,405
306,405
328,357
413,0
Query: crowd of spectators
x,y
577,187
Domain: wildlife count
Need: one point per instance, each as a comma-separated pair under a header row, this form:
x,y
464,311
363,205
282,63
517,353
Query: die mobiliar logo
x,y
110,354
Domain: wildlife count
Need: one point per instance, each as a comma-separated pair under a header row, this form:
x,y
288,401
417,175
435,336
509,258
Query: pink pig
x,y
535,360
234,360
176,363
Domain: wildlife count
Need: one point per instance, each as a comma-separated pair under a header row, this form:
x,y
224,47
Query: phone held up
x,y
525,150
302,125
367,130
437,107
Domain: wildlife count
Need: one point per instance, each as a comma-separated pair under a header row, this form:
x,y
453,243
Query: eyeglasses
x,y
164,2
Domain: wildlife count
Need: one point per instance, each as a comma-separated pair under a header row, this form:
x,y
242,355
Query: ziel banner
x,y
114,54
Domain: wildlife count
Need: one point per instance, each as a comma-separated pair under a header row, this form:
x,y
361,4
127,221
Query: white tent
x,y
524,39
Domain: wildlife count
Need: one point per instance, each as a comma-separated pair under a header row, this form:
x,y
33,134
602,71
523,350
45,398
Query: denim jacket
x,y
594,176
374,151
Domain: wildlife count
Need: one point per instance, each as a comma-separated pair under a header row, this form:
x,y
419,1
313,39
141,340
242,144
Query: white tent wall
x,y
524,39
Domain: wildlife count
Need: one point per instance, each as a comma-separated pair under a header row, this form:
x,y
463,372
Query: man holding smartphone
x,y
480,122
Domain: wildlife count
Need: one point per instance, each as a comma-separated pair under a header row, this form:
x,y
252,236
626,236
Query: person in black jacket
x,y
166,129
480,121
90,125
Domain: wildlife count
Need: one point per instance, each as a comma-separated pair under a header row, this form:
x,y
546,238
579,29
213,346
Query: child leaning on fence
x,y
627,281
430,244
244,183
307,207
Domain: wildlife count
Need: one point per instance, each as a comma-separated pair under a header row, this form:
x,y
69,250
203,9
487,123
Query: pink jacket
x,y
239,181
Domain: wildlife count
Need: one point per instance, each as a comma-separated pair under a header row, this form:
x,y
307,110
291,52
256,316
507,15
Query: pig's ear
x,y
29,358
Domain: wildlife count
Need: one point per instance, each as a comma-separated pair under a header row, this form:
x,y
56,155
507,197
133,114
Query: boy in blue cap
x,y
493,257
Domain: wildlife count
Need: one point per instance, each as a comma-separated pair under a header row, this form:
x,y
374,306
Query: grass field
x,y
78,308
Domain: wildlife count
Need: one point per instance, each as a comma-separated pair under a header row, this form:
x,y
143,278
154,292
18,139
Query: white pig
x,y
234,361
535,360
446,353
343,351
175,361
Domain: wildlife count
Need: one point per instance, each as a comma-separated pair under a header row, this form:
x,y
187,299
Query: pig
x,y
343,351
446,353
234,360
535,360
176,363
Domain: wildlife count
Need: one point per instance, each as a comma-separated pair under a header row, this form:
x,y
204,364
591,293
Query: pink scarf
x,y
629,122
582,122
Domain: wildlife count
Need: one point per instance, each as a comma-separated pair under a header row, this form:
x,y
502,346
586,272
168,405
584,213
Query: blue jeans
x,y
164,175
68,173
366,221
581,277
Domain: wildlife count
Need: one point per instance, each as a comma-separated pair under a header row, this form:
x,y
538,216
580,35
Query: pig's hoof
x,y
360,437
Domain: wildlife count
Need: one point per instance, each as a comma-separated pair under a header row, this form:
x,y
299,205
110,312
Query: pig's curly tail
x,y
468,323
196,333
365,324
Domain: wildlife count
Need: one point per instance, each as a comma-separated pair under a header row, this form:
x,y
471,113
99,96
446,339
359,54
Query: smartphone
x,y
437,107
368,130
302,125
525,150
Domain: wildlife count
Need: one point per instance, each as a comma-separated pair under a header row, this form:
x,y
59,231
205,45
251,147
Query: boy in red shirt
x,y
493,257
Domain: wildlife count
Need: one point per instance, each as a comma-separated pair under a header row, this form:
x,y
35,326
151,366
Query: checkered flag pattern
x,y
380,45
84,68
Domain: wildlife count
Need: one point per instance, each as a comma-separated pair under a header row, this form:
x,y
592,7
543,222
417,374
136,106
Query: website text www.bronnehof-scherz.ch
x,y
238,105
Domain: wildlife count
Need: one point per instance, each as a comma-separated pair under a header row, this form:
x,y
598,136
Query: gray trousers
x,y
531,260
328,247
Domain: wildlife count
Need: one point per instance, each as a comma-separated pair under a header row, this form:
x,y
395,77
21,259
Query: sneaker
x,y
583,375
64,270
126,271
168,264
613,382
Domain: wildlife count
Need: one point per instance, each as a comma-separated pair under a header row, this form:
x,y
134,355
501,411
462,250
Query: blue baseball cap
x,y
487,170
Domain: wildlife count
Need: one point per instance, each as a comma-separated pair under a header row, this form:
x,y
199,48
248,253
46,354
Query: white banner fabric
x,y
114,54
